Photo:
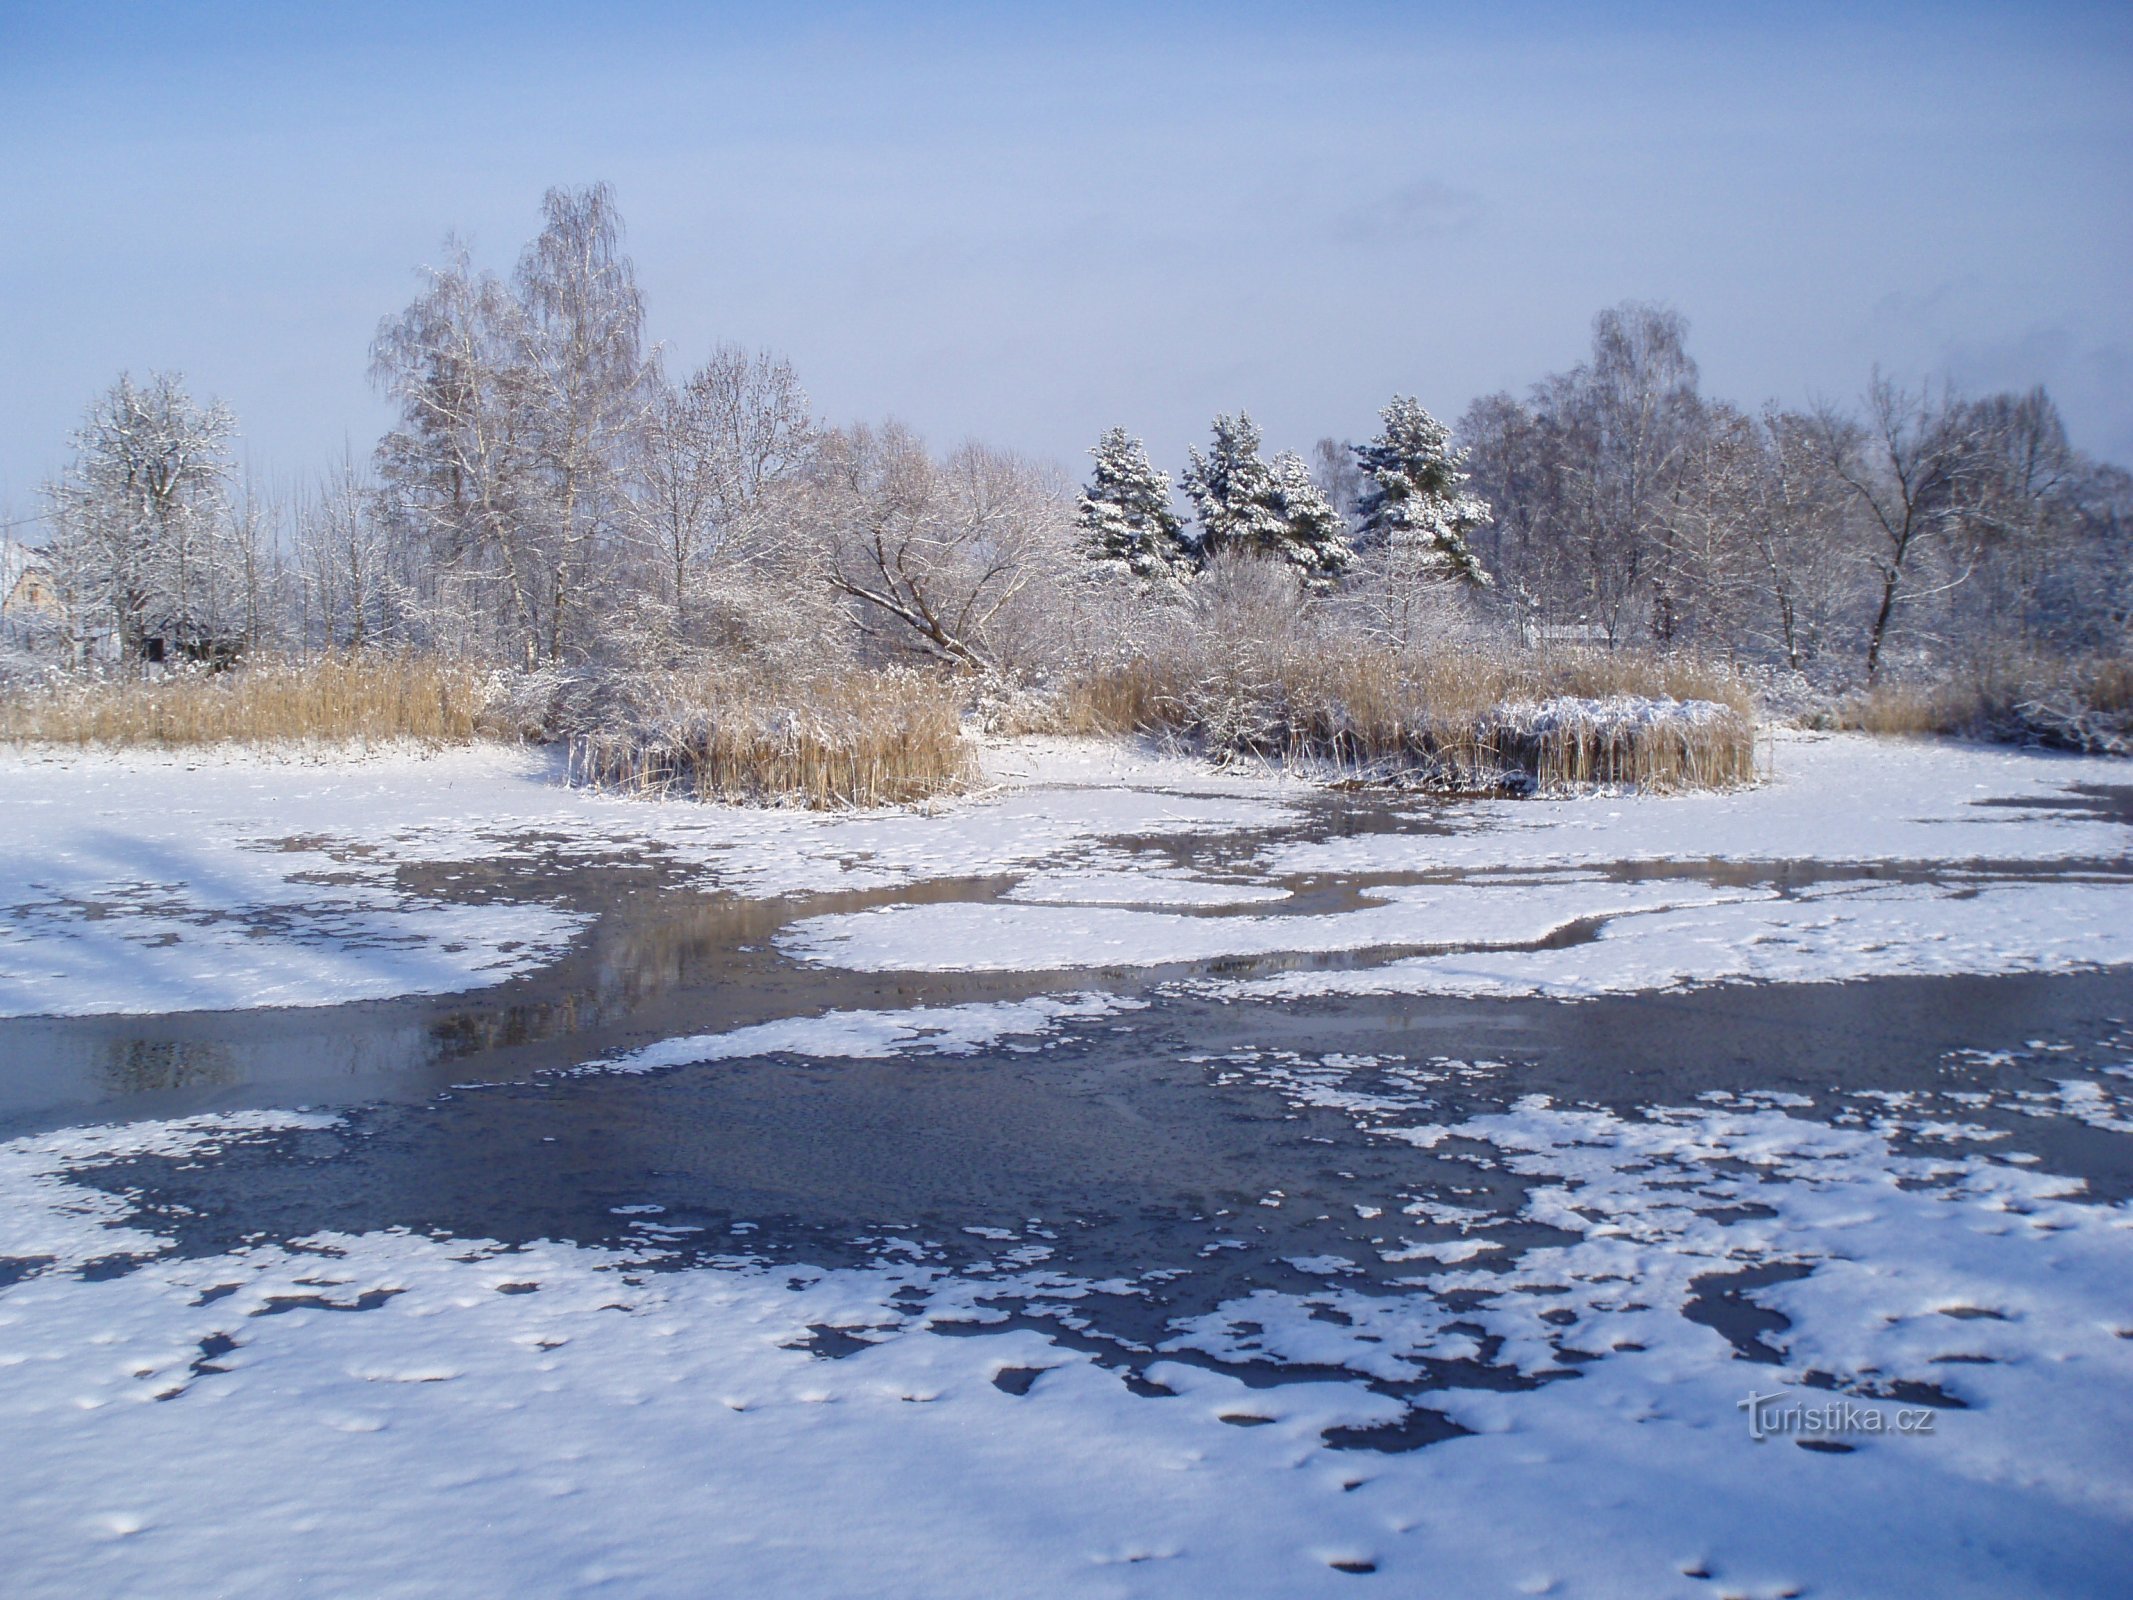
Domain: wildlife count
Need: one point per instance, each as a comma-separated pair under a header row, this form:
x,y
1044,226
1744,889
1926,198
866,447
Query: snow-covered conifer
x,y
1275,509
1126,516
1314,538
1414,500
1232,490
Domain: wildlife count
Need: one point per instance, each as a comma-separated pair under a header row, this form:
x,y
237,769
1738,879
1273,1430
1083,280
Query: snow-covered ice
x,y
872,1035
153,883
1041,938
392,1414
157,883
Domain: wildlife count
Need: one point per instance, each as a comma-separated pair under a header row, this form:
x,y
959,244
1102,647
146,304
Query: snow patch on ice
x,y
863,1035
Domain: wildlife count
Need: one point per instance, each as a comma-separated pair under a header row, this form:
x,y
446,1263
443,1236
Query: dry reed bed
x,y
343,699
1475,720
867,739
1472,720
2080,704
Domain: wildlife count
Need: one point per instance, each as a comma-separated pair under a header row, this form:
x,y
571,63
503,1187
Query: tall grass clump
x,y
340,698
854,739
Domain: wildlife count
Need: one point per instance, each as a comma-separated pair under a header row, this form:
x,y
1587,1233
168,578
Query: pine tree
x,y
1415,501
1314,537
1245,503
1231,490
1126,516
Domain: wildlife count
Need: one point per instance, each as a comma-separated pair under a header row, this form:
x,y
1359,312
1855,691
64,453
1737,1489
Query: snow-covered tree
x,y
1314,538
712,454
1232,490
958,560
142,521
1126,517
1414,500
520,405
1245,503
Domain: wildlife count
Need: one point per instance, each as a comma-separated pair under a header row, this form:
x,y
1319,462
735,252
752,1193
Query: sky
x,y
1026,223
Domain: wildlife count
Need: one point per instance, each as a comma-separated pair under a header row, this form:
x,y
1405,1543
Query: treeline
x,y
1919,522
553,496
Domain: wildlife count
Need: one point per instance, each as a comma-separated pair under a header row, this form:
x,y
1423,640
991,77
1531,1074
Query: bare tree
x,y
352,567
587,388
2020,518
713,454
1340,480
1585,481
938,556
1792,521
459,466
1910,467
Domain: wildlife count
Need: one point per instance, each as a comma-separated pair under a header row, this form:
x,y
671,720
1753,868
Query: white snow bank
x,y
149,882
145,883
1527,876
1847,798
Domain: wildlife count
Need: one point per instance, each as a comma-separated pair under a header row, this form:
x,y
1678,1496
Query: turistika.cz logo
x,y
1781,1416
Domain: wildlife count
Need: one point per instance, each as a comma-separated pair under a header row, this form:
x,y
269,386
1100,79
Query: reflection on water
x,y
656,960
143,1066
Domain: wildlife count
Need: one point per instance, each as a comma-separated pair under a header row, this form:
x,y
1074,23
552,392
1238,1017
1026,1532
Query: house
x,y
26,591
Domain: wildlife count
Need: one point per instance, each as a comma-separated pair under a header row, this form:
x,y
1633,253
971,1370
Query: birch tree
x,y
520,407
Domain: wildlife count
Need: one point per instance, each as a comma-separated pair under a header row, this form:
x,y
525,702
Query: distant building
x,y
26,591
1582,633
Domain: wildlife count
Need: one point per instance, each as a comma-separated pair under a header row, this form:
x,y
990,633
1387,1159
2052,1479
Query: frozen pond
x,y
1140,1184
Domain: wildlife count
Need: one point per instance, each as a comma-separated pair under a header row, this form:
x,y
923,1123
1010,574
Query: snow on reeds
x,y
858,739
1459,720
334,699
1656,745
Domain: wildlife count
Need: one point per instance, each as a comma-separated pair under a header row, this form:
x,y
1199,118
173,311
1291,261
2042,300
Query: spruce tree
x,y
1126,516
1414,500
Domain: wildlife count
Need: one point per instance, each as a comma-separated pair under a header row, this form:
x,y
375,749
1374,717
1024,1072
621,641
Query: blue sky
x,y
1025,223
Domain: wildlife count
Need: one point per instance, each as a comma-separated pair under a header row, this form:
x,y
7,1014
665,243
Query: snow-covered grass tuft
x,y
858,739
1661,745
